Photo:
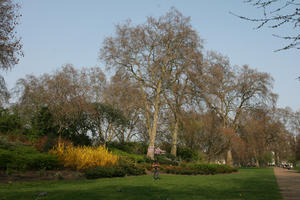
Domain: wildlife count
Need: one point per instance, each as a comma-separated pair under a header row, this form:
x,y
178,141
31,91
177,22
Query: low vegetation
x,y
84,157
18,156
250,184
196,169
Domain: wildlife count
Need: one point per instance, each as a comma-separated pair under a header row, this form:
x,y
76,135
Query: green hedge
x,y
26,158
104,172
195,169
123,168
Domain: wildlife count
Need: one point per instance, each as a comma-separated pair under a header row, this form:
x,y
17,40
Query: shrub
x,y
187,154
104,172
129,147
198,169
131,168
123,168
26,158
133,157
84,157
164,160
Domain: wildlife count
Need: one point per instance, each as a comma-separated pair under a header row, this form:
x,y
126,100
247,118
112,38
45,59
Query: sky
x,y
58,32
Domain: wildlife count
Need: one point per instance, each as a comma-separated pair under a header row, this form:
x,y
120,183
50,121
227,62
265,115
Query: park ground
x,y
246,184
289,183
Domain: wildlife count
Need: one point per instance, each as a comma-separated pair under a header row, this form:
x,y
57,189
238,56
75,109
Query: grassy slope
x,y
248,184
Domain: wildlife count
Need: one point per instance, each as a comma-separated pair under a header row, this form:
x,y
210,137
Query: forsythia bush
x,y
84,157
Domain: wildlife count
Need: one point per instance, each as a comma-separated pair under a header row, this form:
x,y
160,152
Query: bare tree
x,y
149,52
67,93
10,45
123,94
277,14
227,91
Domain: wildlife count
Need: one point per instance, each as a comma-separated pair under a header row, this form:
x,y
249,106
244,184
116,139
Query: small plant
x,y
42,172
59,176
9,171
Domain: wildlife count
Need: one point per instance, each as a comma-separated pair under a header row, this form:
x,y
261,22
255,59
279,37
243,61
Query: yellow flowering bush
x,y
84,157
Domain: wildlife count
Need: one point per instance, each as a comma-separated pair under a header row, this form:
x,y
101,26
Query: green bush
x,y
131,168
194,169
164,160
104,172
129,147
124,167
20,157
187,154
133,157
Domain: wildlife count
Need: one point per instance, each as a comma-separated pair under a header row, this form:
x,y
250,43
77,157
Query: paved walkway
x,y
288,182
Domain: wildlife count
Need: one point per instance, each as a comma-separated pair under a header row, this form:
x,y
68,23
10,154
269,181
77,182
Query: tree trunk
x,y
150,152
152,134
229,158
174,140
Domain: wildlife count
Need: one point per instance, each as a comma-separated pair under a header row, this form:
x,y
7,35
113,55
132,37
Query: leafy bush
x,y
198,169
123,168
129,147
103,172
9,121
25,158
84,157
133,157
164,160
131,168
187,154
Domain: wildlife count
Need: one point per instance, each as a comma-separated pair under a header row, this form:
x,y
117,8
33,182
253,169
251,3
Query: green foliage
x,y
187,154
104,172
131,168
297,169
21,157
164,160
43,123
80,139
267,157
9,121
105,115
132,157
194,169
129,147
123,168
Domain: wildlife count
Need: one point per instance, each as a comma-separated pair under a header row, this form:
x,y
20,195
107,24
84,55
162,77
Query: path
x,y
288,182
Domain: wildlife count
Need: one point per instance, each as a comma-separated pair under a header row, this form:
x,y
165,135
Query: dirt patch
x,y
289,183
40,175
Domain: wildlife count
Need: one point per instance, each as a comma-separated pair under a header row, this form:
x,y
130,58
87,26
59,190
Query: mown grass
x,y
247,184
297,168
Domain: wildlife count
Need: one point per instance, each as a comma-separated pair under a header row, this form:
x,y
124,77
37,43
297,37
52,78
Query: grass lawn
x,y
247,184
297,168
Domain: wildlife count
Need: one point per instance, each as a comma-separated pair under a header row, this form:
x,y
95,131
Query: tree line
x,y
165,90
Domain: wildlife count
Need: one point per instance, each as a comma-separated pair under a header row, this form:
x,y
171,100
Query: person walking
x,y
155,168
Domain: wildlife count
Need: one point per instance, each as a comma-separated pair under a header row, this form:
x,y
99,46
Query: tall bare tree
x,y
228,90
149,53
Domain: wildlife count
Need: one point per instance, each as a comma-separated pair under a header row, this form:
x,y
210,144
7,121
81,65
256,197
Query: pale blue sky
x,y
56,32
